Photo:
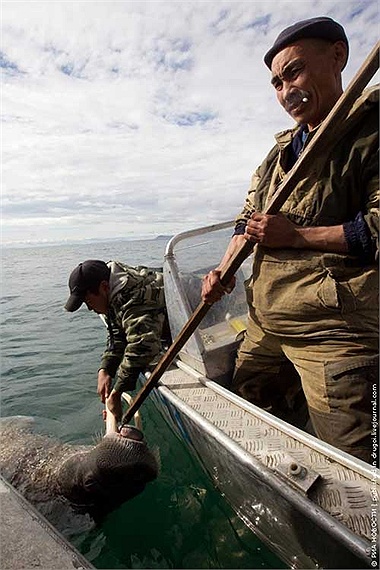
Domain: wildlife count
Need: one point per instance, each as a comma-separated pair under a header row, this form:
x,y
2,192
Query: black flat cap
x,y
323,28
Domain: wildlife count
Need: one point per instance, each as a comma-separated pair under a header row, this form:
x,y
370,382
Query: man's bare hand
x,y
104,384
272,231
212,289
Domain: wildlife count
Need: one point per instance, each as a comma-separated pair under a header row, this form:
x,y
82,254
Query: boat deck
x,y
340,485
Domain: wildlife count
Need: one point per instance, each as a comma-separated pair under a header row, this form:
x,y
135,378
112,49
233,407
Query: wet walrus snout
x,y
114,471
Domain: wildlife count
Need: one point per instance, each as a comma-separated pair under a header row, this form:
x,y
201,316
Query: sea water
x,y
49,363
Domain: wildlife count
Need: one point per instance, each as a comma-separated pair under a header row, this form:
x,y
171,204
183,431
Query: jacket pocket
x,y
336,296
348,289
327,292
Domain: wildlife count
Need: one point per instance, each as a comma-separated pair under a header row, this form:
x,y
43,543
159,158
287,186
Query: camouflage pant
x,y
337,377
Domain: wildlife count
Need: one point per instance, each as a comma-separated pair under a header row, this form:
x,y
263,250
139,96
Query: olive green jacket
x,y
299,291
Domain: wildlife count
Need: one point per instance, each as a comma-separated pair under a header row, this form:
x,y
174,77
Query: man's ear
x,y
340,54
104,287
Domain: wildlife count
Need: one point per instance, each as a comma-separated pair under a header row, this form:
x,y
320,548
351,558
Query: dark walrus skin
x,y
87,479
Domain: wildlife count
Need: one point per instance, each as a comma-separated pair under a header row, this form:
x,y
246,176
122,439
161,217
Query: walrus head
x,y
114,471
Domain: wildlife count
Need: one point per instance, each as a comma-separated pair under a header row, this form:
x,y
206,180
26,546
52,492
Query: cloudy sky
x,y
128,119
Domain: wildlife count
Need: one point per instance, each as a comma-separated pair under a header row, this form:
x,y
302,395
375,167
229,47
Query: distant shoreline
x,y
89,241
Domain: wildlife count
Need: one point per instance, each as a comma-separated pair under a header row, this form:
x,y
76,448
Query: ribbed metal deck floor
x,y
343,493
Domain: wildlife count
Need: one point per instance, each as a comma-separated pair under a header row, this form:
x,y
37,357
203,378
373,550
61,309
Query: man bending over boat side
x,y
313,294
133,303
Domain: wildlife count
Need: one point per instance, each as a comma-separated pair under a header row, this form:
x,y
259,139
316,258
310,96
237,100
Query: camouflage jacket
x,y
342,182
134,320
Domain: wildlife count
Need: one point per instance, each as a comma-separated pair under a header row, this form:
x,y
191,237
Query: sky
x,y
135,119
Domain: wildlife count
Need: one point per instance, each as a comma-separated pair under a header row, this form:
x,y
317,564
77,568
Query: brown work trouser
x,y
338,376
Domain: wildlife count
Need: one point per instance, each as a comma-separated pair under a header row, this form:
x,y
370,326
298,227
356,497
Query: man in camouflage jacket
x,y
313,294
133,304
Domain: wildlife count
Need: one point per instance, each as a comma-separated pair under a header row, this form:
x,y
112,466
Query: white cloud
x,y
137,118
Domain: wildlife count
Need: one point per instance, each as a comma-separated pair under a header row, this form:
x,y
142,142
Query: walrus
x,y
91,480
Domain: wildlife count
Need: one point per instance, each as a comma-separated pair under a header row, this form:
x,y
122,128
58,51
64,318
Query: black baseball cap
x,y
86,276
322,28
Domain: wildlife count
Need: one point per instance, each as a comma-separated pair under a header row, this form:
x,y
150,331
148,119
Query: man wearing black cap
x,y
132,301
313,294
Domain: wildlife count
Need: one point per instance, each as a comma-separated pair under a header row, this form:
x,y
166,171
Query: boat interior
x,y
338,484
188,258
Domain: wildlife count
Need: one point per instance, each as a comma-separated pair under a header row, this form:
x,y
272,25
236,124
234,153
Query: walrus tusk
x,y
111,422
136,417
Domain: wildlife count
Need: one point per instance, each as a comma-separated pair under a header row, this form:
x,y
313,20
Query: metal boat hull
x,y
290,525
309,502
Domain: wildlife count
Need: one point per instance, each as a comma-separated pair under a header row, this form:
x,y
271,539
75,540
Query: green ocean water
x,y
49,362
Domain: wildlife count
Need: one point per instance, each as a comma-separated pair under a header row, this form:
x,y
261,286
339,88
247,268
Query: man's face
x,y
98,302
307,79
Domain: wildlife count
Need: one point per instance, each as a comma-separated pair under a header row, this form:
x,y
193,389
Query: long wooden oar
x,y
320,142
